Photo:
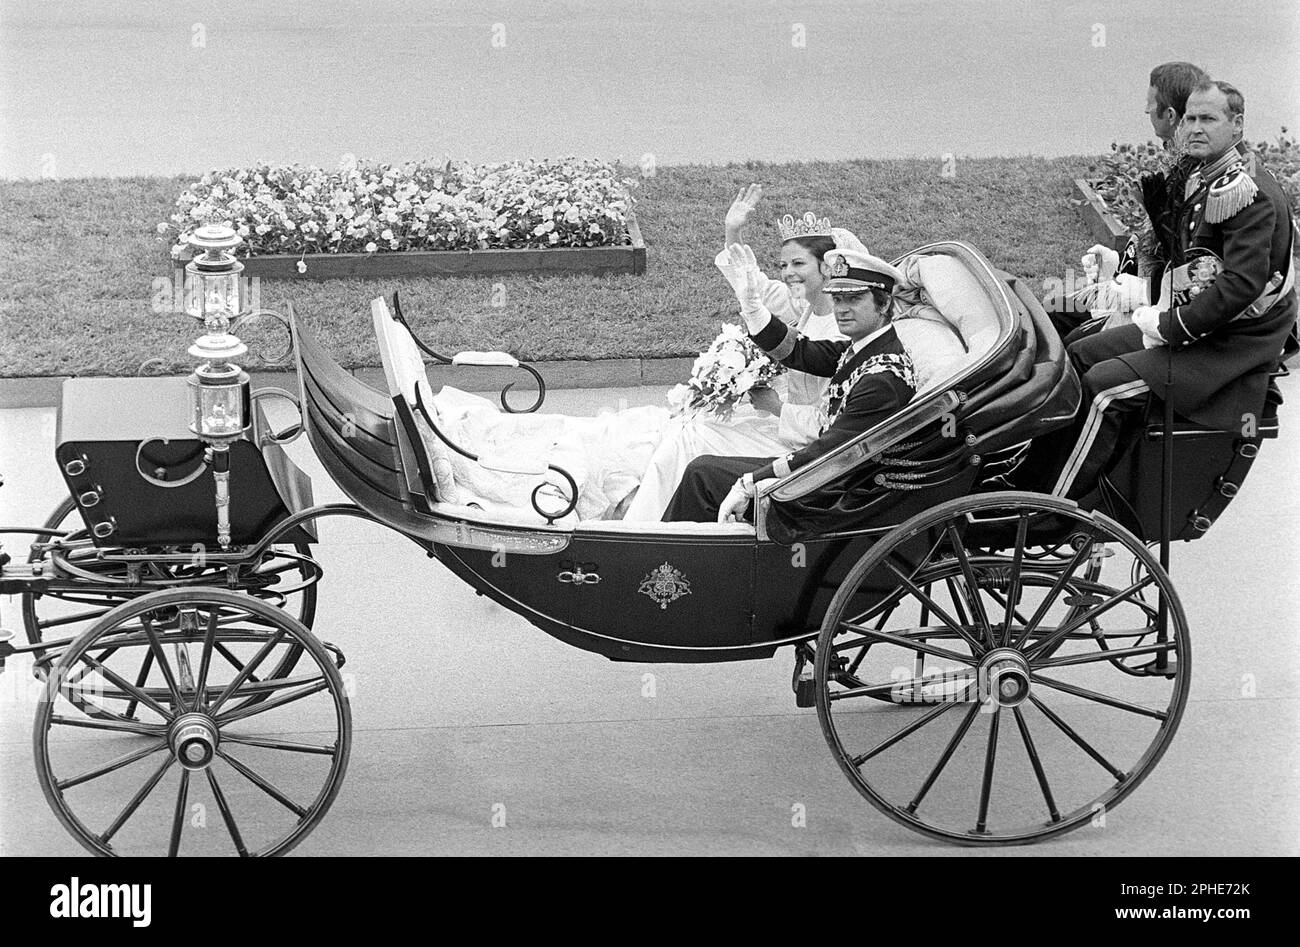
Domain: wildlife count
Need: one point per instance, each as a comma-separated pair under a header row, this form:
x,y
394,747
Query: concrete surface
x,y
461,707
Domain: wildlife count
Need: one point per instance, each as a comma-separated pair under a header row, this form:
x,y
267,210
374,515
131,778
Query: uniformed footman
x,y
1226,308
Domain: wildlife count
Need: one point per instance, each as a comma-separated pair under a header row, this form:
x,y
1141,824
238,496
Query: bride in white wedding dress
x,y
776,421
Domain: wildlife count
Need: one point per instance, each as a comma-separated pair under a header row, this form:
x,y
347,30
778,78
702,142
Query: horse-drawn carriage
x,y
988,667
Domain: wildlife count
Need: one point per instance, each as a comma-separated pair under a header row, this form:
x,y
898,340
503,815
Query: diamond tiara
x,y
809,225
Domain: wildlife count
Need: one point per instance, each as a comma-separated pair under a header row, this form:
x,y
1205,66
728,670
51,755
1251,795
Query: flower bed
x,y
1115,180
419,217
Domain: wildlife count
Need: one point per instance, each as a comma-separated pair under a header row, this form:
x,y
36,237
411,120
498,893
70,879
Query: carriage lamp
x,y
220,391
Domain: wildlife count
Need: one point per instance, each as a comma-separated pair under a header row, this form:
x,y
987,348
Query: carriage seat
x,y
947,321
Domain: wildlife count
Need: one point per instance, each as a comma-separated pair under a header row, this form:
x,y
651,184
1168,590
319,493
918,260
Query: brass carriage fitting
x,y
1227,487
1200,522
89,498
1248,450
105,528
1004,677
75,467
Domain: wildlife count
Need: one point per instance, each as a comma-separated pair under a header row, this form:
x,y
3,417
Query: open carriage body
x,y
930,618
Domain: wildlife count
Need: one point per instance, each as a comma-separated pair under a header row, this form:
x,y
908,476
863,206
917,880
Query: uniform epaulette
x,y
1229,193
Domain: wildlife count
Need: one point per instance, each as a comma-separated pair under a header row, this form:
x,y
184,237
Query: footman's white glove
x,y
1147,318
749,287
1107,263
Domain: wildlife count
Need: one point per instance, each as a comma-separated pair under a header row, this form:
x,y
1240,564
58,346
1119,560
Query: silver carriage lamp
x,y
220,391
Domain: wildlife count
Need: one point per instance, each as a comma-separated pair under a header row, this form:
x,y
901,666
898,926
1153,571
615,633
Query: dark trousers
x,y
1069,462
705,484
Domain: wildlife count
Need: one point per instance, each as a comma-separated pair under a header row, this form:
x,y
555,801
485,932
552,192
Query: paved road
x,y
460,706
156,86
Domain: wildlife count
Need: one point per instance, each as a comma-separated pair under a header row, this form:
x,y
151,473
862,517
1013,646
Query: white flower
x,y
386,235
302,267
371,247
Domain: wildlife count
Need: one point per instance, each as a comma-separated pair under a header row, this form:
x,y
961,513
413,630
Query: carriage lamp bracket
x,y
157,477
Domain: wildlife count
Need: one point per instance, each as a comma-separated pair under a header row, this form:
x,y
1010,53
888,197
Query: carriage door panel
x,y
676,591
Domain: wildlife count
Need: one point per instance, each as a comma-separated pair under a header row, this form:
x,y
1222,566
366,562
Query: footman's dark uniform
x,y
1227,309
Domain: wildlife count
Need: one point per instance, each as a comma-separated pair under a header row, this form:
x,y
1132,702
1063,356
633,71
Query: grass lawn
x,y
80,258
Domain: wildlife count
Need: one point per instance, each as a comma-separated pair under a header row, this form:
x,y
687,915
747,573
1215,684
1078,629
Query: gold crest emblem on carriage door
x,y
665,585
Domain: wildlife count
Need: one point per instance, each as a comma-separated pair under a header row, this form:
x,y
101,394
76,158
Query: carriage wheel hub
x,y
194,739
1004,674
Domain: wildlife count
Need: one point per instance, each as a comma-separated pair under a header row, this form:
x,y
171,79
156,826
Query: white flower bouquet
x,y
370,208
729,369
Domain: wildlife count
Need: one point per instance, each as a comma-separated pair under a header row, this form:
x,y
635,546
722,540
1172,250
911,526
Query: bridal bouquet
x,y
723,374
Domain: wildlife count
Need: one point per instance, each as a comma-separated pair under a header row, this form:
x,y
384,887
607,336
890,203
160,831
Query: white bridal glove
x,y
743,206
748,287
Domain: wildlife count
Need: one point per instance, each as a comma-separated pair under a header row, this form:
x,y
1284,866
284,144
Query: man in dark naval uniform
x,y
1226,307
871,378
1131,277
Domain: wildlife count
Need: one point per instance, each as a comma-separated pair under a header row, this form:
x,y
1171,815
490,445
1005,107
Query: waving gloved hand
x,y
749,286
740,209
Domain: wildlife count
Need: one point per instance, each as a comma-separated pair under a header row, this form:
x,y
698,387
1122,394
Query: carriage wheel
x,y
58,617
226,760
1031,681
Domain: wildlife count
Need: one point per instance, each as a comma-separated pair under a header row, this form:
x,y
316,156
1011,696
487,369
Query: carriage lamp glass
x,y
213,277
219,389
219,402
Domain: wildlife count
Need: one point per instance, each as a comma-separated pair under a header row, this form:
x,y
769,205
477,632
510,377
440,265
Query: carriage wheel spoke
x,y
972,586
903,733
226,815
1081,620
943,616
287,745
140,678
262,784
186,671
205,660
1037,764
1109,701
880,690
1106,654
135,691
1049,600
949,750
911,644
155,647
990,758
110,767
245,671
1013,591
1079,741
880,623
178,820
137,799
121,726
272,704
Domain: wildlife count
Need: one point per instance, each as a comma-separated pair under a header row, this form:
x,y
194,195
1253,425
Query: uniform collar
x,y
1212,169
862,343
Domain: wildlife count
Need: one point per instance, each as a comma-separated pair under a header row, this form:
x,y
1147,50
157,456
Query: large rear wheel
x,y
1028,694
